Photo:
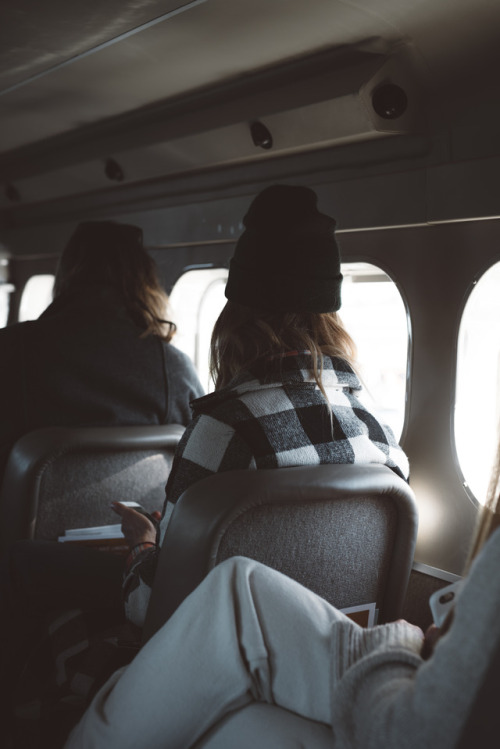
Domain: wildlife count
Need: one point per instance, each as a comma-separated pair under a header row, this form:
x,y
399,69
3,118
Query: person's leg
x,y
246,634
262,726
37,578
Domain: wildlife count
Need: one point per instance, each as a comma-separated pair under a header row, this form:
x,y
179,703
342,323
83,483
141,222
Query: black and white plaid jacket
x,y
272,417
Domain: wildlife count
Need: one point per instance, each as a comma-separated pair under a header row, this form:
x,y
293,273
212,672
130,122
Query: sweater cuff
x,y
399,634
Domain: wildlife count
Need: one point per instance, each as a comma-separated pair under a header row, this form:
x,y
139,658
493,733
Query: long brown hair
x,y
243,336
489,517
109,253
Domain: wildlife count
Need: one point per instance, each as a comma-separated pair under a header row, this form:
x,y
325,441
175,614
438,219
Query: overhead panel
x,y
338,104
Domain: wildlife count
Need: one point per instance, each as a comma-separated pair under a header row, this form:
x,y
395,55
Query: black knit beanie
x,y
287,259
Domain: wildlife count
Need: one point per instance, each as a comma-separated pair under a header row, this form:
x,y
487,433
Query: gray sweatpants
x,y
249,639
246,635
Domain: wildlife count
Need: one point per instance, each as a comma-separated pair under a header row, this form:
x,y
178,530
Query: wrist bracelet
x,y
136,550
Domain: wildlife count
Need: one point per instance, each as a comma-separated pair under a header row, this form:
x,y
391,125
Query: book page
x,y
365,615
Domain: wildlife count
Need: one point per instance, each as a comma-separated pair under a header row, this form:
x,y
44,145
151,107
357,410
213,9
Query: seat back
x,y
346,532
58,478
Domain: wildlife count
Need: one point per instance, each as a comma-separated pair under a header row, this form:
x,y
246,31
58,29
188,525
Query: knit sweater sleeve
x,y
390,698
367,666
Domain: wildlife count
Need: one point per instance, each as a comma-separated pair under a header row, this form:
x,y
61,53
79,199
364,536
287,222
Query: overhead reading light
x,y
12,194
260,135
113,171
389,101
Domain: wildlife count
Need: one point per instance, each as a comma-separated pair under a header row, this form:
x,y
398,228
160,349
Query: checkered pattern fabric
x,y
272,417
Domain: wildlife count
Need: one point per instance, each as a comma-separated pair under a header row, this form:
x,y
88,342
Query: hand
x,y
415,627
136,527
433,634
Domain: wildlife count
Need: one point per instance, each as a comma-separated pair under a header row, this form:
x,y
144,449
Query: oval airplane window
x,y
5,290
372,311
196,302
477,398
37,296
375,316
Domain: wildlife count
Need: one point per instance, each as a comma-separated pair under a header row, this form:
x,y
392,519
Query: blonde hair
x,y
242,336
489,517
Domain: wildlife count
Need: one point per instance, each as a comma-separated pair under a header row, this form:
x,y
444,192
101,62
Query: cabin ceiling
x,y
70,71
